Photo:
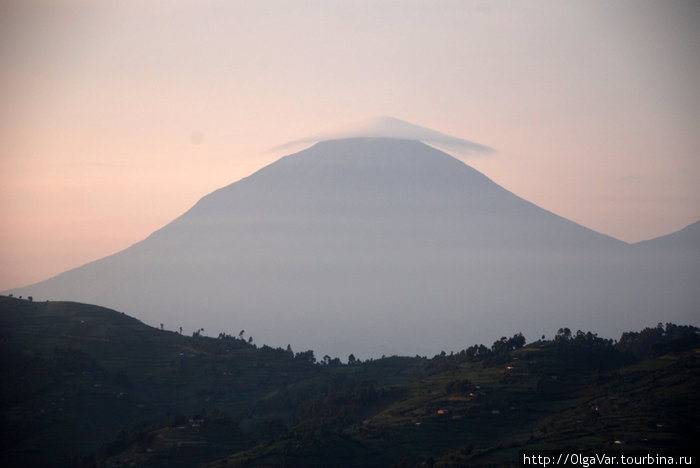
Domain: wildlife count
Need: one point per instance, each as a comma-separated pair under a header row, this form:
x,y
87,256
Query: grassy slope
x,y
649,405
75,375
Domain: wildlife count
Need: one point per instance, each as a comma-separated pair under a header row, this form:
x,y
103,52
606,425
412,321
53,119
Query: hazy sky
x,y
117,116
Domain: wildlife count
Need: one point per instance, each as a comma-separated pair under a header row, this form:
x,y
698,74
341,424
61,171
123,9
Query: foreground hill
x,y
74,375
381,246
86,386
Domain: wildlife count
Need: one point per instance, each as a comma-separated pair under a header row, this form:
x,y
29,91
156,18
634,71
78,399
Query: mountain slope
x,y
376,246
687,239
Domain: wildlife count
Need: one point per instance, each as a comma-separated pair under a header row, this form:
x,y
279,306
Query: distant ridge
x,y
381,246
688,237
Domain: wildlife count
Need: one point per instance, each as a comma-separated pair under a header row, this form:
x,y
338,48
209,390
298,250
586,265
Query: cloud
x,y
390,127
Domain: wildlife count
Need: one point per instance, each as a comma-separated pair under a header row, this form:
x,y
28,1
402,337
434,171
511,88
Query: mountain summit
x,y
379,246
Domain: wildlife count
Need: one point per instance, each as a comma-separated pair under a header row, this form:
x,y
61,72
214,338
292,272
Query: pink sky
x,y
117,116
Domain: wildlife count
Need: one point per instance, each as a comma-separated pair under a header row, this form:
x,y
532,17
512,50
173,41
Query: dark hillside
x,y
88,386
479,413
74,375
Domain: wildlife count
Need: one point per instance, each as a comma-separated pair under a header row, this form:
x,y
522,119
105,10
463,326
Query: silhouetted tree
x,y
517,341
585,349
656,341
563,334
306,356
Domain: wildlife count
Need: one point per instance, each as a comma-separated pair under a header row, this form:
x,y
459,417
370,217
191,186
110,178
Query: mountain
x,y
686,240
380,246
